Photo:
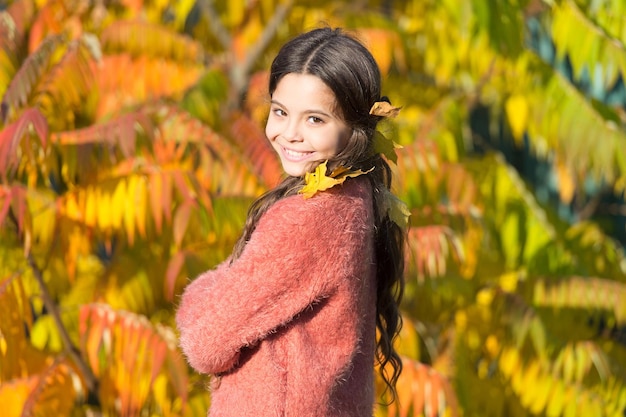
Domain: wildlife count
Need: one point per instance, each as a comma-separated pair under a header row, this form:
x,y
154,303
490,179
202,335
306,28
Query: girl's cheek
x,y
272,130
269,131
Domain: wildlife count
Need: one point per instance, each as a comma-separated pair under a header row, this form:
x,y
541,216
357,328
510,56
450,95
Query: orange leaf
x,y
14,394
419,386
181,220
159,352
256,102
94,336
173,270
566,180
257,148
382,44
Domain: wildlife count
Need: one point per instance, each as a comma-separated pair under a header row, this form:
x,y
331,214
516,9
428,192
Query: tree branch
x,y
52,309
215,24
266,36
239,72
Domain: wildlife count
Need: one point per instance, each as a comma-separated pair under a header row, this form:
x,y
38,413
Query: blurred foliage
x,y
132,144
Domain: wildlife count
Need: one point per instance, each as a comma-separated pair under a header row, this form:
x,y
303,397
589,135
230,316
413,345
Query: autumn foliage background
x,y
131,145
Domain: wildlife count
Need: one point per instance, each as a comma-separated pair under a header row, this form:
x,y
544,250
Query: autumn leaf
x,y
318,180
384,109
386,147
517,111
397,210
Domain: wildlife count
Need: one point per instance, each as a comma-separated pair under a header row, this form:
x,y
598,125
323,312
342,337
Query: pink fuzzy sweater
x,y
290,326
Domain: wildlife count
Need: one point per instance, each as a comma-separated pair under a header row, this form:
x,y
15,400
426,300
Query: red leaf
x,y
255,145
22,12
19,205
11,135
173,270
5,202
120,131
159,352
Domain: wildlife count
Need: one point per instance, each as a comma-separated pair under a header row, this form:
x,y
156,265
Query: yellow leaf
x,y
141,205
583,362
104,210
318,181
156,190
572,403
91,207
542,393
509,361
510,237
129,212
569,363
408,343
509,280
13,396
235,12
530,379
492,345
44,217
72,210
117,204
517,110
556,401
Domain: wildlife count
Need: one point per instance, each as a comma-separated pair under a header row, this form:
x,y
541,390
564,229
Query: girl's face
x,y
302,125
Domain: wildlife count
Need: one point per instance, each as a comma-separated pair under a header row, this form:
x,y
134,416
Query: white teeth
x,y
296,154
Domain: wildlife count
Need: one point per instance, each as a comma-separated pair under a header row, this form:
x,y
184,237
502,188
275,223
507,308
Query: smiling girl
x,y
288,324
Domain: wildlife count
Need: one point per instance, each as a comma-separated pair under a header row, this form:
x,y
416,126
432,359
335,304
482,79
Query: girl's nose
x,y
292,133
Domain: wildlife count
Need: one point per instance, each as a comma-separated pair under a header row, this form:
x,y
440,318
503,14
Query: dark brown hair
x,y
351,72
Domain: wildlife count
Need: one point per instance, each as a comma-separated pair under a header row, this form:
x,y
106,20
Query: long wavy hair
x,y
350,71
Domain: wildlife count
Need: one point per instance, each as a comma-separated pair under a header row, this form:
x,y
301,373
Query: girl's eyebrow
x,y
309,111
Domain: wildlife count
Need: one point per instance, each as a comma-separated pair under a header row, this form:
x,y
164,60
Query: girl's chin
x,y
294,170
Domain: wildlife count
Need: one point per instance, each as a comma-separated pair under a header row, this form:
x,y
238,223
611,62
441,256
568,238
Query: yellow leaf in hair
x,y
384,109
318,180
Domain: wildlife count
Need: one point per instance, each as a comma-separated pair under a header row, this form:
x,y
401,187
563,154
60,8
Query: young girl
x,y
288,324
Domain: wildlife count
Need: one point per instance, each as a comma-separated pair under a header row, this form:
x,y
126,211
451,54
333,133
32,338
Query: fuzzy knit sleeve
x,y
299,252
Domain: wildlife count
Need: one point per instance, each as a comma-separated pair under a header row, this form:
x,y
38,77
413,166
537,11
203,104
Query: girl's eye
x,y
315,120
279,112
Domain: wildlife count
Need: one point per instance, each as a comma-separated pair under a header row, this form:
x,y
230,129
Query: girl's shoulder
x,y
353,192
352,198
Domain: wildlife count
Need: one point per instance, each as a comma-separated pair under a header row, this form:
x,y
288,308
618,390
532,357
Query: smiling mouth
x,y
295,156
